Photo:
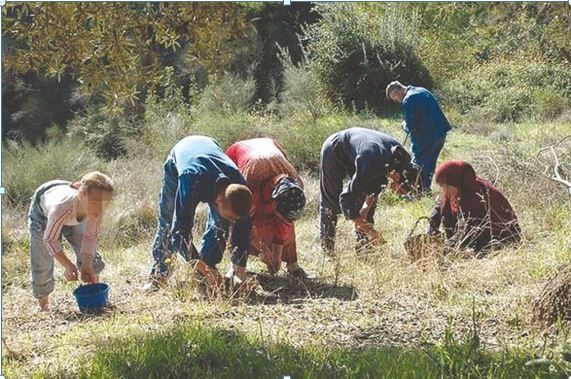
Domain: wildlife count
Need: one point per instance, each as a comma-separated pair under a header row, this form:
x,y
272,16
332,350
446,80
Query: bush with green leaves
x,y
357,50
511,90
104,134
229,94
303,93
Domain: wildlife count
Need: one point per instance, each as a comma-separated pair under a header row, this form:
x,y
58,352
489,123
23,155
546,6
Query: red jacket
x,y
484,209
262,162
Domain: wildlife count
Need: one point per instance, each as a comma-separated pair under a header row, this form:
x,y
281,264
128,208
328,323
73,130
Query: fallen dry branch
x,y
557,168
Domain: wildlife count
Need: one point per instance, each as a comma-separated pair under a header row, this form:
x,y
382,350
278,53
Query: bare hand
x,y
369,201
70,274
242,284
88,275
366,228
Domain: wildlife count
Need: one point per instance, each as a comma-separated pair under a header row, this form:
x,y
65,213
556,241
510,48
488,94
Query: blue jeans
x,y
42,263
213,240
426,157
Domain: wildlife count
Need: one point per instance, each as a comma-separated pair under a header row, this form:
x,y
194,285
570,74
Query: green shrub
x,y
26,167
357,51
132,216
229,128
166,121
303,93
227,95
511,90
548,104
103,134
507,104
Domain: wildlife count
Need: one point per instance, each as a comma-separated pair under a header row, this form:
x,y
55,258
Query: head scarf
x,y
289,197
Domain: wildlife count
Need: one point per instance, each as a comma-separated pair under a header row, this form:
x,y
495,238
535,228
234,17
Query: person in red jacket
x,y
278,200
475,214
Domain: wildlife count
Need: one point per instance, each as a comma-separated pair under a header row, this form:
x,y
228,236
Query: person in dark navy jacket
x,y
368,158
426,124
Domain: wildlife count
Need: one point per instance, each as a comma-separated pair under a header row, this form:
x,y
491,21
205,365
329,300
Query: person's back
x,y
367,157
426,124
259,160
429,120
359,141
474,212
197,170
201,154
277,201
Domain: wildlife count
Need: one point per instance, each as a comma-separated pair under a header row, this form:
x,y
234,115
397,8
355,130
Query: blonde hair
x,y
94,180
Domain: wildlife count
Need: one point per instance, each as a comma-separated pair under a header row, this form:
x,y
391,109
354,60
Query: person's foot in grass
x,y
155,282
44,303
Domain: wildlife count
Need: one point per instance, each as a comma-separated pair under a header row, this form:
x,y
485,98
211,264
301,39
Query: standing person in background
x,y
278,200
426,124
475,214
368,158
197,170
73,210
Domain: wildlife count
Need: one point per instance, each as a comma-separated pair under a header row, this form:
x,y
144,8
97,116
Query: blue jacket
x,y
202,169
424,119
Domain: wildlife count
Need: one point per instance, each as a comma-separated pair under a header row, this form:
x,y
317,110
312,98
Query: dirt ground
x,y
280,308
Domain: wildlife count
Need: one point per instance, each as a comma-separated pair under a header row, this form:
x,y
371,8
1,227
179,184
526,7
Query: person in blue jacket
x,y
426,124
368,158
197,170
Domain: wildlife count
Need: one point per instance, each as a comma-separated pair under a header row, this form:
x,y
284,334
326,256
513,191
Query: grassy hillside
x,y
358,315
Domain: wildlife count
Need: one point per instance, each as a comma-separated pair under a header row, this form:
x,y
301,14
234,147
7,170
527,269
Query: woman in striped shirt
x,y
73,210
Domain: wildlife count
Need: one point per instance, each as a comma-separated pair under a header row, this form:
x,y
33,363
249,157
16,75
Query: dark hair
x,y
240,199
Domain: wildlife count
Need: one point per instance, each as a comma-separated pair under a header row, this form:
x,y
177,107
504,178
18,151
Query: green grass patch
x,y
191,350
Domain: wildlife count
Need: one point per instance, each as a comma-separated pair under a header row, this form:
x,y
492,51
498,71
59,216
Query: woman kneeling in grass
x,y
475,214
73,210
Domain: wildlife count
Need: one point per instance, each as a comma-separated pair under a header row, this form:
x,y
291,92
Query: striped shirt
x,y
60,205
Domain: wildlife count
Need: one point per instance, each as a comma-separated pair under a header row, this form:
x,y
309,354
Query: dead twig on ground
x,y
557,168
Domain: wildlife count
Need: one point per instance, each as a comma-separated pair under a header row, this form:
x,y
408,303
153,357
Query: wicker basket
x,y
422,245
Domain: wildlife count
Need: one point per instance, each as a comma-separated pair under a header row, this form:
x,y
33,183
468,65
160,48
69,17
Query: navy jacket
x,y
367,155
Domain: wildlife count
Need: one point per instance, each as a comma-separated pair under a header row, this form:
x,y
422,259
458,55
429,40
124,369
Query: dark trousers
x,y
333,170
426,156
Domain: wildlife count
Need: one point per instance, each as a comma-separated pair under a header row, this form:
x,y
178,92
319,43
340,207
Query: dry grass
x,y
358,301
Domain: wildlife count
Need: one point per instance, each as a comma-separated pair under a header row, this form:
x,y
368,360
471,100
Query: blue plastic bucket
x,y
92,297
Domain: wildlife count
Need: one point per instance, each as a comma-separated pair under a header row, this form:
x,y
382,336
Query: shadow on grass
x,y
287,289
191,351
74,315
